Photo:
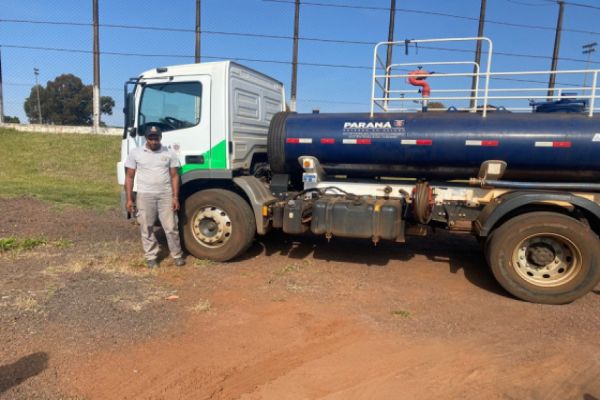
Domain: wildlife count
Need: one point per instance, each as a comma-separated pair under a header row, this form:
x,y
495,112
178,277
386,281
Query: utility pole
x,y
559,23
197,54
96,87
295,57
1,96
475,80
36,72
587,49
388,58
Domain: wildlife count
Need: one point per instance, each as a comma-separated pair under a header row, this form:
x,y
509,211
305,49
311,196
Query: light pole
x,y
96,87
559,24
1,97
388,57
475,79
295,57
36,72
587,49
197,33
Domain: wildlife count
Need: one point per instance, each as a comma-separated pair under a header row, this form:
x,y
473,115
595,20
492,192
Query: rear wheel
x,y
545,257
219,225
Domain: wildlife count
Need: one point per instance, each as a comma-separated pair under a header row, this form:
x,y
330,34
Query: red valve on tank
x,y
417,78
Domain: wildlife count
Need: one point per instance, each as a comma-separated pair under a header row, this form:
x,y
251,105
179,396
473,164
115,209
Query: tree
x,y
436,105
30,105
65,101
11,120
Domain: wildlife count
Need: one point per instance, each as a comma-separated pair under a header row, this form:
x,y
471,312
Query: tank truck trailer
x,y
525,184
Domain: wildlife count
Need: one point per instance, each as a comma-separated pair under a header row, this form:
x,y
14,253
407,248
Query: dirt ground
x,y
296,318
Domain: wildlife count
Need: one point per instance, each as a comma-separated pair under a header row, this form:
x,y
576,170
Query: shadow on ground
x,y
457,251
26,367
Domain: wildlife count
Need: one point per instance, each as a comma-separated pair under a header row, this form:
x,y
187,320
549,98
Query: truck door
x,y
180,106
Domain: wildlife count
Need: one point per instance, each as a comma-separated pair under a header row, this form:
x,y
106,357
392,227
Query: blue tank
x,y
445,145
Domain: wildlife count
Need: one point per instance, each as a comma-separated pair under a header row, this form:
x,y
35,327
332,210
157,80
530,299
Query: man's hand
x,y
174,187
175,204
131,206
129,177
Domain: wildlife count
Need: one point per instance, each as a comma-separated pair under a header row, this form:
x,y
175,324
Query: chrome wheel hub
x,y
547,260
211,226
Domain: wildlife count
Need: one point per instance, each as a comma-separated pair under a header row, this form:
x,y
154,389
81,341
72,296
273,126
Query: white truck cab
x,y
214,116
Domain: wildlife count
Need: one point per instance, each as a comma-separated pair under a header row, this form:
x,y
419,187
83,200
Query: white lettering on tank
x,y
367,125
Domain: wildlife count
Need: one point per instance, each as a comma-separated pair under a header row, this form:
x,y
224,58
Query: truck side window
x,y
171,105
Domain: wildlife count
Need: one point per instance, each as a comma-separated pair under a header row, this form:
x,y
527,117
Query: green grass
x,y
400,313
14,244
63,243
65,169
201,307
286,269
204,263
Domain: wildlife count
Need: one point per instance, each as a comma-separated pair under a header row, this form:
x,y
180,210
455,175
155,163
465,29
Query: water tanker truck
x,y
525,184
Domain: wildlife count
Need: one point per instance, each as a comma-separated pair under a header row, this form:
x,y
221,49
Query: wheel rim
x,y
547,260
211,227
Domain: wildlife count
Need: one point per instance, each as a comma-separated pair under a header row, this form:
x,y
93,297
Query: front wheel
x,y
219,225
545,257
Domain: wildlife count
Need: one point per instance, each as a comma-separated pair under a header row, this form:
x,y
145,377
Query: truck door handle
x,y
194,159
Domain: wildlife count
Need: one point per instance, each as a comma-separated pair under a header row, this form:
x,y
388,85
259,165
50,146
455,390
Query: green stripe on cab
x,y
215,158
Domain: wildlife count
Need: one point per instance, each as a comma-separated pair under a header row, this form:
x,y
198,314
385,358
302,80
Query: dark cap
x,y
153,130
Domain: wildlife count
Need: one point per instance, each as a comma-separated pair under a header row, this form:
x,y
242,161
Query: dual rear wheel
x,y
545,257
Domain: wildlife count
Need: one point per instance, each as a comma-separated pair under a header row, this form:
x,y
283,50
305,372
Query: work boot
x,y
180,262
151,263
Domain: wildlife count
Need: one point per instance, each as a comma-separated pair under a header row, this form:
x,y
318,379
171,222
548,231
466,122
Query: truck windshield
x,y
171,105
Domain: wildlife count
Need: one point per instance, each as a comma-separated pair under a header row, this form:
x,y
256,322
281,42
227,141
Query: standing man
x,y
157,194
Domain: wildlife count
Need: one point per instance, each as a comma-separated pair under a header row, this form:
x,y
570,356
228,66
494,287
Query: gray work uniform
x,y
154,197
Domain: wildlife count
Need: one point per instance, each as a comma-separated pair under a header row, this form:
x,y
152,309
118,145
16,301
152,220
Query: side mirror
x,y
130,108
131,131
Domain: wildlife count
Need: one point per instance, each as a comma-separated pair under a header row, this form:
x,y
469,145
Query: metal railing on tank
x,y
386,99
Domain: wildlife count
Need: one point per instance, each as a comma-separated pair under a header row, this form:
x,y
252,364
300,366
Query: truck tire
x,y
545,257
219,225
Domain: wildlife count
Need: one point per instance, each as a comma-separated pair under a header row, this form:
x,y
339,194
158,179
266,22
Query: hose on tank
x,y
351,196
584,186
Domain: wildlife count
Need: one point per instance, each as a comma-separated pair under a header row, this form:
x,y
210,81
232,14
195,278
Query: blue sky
x,y
330,89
